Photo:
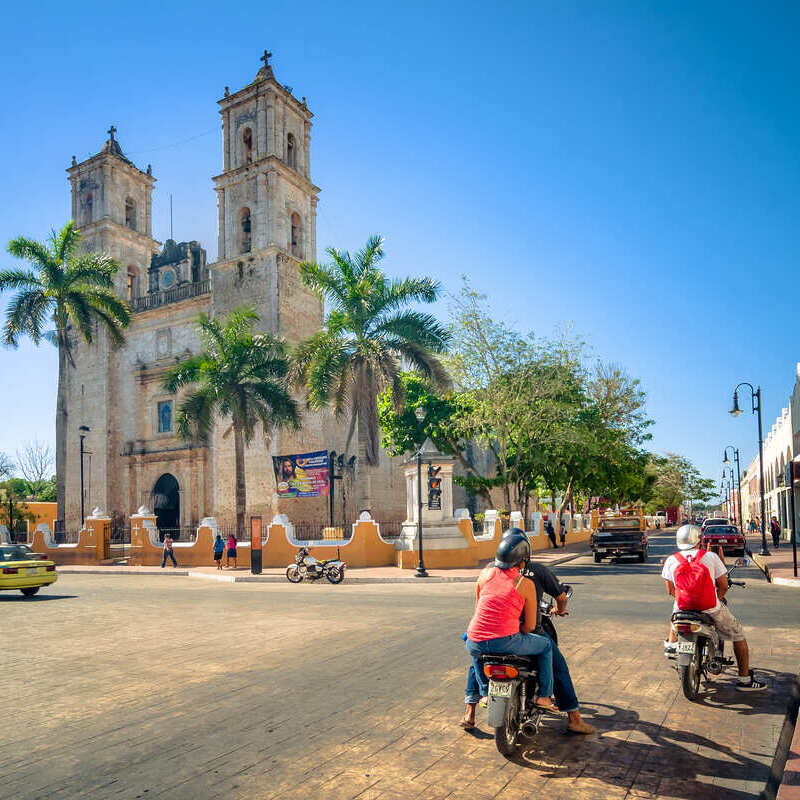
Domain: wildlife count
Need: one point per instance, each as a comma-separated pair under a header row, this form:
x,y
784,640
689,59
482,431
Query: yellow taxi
x,y
21,568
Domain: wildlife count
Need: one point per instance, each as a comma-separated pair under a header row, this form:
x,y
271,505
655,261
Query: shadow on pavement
x,y
630,753
39,598
722,693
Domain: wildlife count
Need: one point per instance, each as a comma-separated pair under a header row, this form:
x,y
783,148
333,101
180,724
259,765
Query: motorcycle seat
x,y
692,616
507,658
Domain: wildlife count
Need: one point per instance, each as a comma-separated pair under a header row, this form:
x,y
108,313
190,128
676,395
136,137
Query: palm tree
x,y
76,292
240,374
370,335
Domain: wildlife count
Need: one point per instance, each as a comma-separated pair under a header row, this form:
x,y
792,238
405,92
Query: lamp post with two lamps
x,y
756,409
726,460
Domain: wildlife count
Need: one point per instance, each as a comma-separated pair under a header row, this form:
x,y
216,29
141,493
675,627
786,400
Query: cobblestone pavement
x,y
139,687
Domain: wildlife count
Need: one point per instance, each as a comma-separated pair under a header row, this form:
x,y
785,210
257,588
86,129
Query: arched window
x,y
130,213
296,236
291,151
133,283
247,146
244,222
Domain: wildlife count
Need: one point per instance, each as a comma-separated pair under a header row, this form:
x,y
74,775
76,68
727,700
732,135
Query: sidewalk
x,y
779,566
550,558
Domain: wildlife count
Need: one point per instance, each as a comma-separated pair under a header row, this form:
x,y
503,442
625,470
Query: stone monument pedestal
x,y
439,527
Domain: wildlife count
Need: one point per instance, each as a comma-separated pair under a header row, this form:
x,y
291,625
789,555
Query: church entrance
x,y
166,500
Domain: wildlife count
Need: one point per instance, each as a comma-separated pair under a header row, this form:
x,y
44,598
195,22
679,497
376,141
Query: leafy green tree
x,y
240,375
370,334
74,292
13,508
678,481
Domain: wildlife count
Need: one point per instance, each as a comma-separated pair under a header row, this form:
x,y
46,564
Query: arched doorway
x,y
166,500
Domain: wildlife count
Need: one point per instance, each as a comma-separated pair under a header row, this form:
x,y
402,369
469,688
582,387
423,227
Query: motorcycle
x,y
307,567
700,651
513,680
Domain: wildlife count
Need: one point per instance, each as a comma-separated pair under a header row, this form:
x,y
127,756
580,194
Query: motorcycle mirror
x,y
568,590
741,562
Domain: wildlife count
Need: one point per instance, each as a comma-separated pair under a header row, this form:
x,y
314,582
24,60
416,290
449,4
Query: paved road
x,y
151,686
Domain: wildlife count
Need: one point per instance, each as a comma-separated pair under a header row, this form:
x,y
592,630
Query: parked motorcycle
x,y
307,567
513,681
699,651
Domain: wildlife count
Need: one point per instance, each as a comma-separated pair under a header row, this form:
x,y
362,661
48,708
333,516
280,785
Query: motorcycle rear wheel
x,y
335,575
293,574
507,735
690,675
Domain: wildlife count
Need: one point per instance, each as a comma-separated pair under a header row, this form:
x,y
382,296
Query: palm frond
x,y
18,279
416,327
27,315
30,250
187,372
195,414
64,243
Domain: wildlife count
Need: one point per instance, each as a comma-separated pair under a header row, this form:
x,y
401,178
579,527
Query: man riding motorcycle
x,y
500,594
727,626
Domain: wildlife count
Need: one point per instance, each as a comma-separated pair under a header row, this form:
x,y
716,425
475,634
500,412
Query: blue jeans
x,y
171,555
518,644
566,699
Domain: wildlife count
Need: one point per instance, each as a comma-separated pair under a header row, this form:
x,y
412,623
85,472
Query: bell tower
x,y
266,205
112,205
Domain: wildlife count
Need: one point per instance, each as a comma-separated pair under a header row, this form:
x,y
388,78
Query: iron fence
x,y
184,533
322,531
392,529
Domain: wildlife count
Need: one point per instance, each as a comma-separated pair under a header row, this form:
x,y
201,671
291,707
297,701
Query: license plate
x,y
685,647
500,688
33,571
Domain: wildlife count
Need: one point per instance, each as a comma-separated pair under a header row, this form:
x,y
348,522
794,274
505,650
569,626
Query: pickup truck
x,y
619,536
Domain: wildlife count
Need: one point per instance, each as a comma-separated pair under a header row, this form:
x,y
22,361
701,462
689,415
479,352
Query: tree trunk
x,y
241,491
61,434
364,475
565,501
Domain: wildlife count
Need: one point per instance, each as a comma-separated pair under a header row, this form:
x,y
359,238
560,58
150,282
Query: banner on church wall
x,y
302,474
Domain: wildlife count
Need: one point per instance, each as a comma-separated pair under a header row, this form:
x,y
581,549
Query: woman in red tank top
x,y
502,595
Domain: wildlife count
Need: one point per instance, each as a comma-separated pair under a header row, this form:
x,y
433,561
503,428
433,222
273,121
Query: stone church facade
x,y
267,226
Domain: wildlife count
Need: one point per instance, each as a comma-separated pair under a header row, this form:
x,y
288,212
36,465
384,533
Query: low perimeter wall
x,y
366,547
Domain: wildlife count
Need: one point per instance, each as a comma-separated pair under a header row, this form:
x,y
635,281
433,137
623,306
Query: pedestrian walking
x,y
775,530
219,550
231,554
550,531
562,533
167,551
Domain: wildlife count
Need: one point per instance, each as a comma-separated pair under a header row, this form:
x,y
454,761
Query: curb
x,y
249,578
763,566
70,570
787,582
784,779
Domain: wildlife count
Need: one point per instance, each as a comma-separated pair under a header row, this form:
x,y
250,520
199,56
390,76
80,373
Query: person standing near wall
x,y
775,530
550,531
167,551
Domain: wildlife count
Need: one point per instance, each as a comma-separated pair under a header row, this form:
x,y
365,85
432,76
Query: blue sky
x,y
632,168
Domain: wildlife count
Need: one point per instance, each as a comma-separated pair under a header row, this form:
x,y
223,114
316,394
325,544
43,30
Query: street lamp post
x,y
419,413
83,430
725,460
755,395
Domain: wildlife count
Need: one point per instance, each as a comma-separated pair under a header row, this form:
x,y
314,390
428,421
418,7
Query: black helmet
x,y
513,548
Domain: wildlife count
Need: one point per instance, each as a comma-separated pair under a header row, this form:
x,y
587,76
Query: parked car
x,y
726,536
709,521
21,568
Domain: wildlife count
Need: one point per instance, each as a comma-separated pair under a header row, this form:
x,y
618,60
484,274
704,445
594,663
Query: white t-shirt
x,y
711,560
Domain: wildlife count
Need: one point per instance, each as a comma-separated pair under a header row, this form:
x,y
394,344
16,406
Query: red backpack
x,y
694,587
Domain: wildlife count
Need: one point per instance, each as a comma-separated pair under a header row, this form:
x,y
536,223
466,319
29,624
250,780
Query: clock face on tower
x,y
167,278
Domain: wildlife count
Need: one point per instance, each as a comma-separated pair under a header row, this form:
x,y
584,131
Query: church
x,y
267,226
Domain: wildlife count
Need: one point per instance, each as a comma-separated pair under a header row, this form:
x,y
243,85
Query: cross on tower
x,y
111,131
266,57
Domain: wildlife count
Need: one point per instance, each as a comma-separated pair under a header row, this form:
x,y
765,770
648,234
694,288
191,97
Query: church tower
x,y
266,205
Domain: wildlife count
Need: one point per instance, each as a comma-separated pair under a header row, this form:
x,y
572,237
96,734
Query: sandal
x,y
550,707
